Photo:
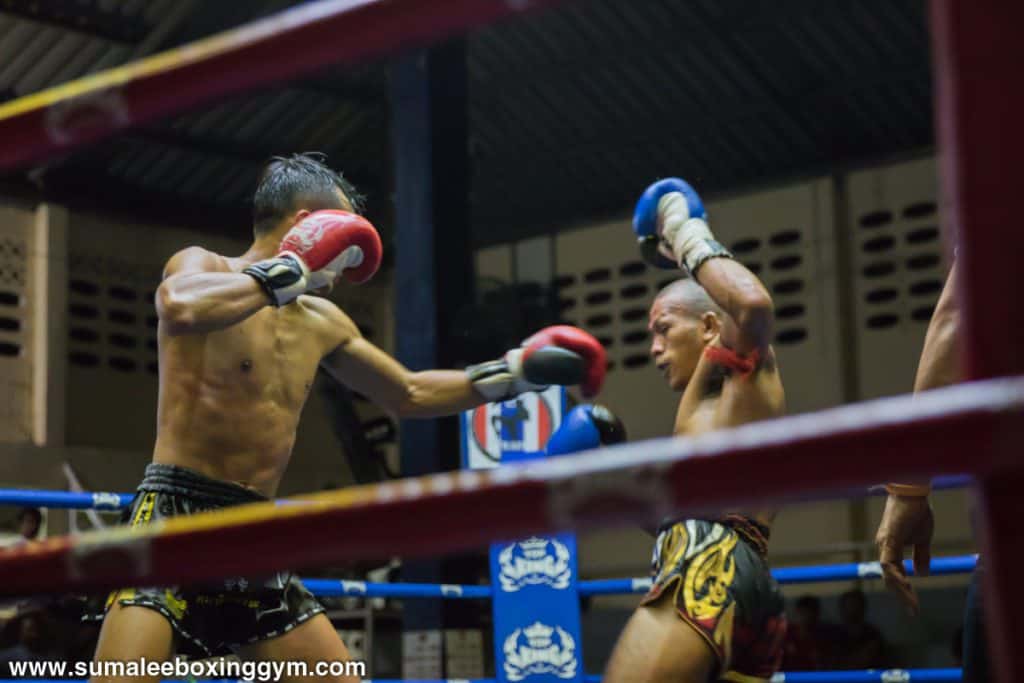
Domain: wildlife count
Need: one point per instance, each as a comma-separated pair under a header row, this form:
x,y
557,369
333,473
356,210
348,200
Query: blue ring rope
x,y
940,566
65,499
329,588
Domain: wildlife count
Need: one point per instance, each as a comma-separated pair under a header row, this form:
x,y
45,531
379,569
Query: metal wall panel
x,y
15,325
898,270
785,235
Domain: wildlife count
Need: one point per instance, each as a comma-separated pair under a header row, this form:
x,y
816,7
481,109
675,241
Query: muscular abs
x,y
230,400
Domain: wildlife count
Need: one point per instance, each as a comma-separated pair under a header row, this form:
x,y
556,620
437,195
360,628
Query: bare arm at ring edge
x,y
939,365
907,520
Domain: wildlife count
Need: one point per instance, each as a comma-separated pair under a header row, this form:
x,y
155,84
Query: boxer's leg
x,y
312,641
658,645
130,633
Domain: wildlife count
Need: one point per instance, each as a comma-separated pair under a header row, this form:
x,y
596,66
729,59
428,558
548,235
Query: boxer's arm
x,y
751,314
939,365
753,388
907,519
360,365
671,214
363,367
199,295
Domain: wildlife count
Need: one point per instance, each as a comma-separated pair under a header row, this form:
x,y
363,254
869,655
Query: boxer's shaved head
x,y
686,296
300,181
682,320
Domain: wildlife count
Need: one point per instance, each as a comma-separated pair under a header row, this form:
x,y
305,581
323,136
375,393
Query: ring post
x,y
536,604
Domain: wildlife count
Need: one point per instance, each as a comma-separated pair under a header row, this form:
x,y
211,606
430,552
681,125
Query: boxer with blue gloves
x,y
671,227
586,427
714,612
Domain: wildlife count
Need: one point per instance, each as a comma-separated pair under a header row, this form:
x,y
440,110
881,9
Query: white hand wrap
x,y
690,239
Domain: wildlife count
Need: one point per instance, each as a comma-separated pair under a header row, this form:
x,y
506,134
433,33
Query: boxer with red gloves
x,y
560,354
713,612
321,248
240,340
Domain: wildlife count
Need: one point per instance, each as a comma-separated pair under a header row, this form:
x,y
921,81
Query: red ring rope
x,y
969,428
261,53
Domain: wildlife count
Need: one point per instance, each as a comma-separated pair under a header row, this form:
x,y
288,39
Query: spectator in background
x,y
810,643
34,641
30,523
861,644
81,643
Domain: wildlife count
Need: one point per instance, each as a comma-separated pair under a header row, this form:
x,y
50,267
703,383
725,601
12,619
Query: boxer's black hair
x,y
298,181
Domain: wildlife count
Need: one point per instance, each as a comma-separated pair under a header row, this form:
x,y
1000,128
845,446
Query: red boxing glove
x,y
579,342
329,242
561,355
318,250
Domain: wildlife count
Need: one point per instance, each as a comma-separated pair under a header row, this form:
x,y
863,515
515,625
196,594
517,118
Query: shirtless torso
x,y
235,373
230,399
718,399
240,341
713,612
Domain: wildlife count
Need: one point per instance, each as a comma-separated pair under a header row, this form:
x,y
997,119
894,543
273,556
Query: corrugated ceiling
x,y
572,111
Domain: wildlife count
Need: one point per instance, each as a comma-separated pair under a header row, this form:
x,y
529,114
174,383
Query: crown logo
x,y
534,548
538,635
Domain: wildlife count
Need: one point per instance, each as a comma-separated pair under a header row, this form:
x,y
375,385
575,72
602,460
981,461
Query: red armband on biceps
x,y
727,358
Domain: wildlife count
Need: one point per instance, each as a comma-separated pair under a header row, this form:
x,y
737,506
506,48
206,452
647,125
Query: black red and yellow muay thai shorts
x,y
716,575
217,618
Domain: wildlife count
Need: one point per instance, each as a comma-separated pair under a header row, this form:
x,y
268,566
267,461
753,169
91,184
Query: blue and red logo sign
x,y
522,425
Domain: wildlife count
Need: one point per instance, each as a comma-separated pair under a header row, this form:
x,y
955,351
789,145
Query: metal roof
x,y
576,110
572,110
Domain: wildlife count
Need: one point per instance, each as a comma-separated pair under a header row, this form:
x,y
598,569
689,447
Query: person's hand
x,y
906,520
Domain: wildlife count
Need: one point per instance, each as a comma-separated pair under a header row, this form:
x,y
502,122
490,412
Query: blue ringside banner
x,y
536,603
536,610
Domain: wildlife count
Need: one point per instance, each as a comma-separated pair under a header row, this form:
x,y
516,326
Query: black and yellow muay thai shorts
x,y
217,618
716,575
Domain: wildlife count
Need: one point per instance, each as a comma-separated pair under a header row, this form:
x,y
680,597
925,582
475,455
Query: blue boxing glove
x,y
585,427
672,229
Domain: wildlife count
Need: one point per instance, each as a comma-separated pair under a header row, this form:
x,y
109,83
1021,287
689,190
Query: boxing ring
x,y
975,428
335,588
